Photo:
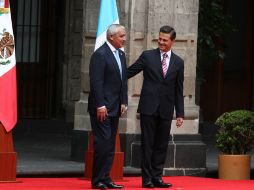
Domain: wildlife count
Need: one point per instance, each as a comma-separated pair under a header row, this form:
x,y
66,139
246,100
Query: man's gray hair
x,y
113,29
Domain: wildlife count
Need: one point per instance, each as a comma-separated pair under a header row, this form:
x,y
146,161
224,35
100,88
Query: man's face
x,y
164,42
118,39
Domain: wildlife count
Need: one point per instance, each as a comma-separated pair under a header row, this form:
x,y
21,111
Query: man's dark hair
x,y
169,30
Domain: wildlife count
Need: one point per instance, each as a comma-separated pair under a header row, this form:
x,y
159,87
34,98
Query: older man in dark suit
x,y
161,93
107,102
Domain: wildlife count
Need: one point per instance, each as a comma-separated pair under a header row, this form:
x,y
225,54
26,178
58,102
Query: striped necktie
x,y
164,64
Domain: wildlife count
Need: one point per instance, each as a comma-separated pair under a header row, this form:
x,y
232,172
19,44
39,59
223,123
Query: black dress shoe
x,y
99,186
148,184
112,185
160,184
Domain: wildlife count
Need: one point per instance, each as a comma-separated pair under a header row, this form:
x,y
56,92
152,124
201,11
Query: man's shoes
x,y
112,185
160,184
148,184
99,185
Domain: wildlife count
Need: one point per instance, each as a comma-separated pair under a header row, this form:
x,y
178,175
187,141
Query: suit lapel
x,y
112,59
158,64
171,64
122,59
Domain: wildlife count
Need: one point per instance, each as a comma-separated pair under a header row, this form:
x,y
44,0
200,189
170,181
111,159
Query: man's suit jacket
x,y
160,95
107,88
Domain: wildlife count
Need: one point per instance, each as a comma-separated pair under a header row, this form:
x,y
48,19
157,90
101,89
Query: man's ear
x,y
111,38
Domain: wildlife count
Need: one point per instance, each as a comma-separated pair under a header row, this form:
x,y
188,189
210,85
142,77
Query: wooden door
x,y
229,83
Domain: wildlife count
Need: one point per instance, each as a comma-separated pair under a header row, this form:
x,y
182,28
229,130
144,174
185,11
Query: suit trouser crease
x,y
155,133
104,147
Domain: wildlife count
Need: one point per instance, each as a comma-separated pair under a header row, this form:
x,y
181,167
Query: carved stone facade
x,y
142,19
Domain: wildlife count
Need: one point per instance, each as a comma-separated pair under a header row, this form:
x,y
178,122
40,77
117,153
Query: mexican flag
x,y
8,90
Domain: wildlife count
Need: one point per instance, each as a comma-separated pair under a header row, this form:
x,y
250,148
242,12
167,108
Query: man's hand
x,y
179,122
102,113
123,109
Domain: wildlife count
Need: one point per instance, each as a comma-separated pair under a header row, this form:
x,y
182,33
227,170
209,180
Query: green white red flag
x,y
8,89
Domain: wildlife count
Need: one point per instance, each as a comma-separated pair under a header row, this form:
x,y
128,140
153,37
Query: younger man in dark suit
x,y
161,93
107,102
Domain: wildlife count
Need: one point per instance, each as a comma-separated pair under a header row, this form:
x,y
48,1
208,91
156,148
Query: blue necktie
x,y
116,54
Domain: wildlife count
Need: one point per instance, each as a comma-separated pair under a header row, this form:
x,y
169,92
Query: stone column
x,y
72,56
81,117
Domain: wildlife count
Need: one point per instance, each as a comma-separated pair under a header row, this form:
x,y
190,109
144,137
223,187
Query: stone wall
x,y
145,19
142,19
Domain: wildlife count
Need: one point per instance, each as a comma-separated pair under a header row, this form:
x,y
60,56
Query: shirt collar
x,y
169,53
113,49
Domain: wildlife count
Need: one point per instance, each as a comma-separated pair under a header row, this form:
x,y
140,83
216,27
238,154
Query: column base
x,y
186,156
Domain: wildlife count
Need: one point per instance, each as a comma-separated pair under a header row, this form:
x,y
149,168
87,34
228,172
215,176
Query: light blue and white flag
x,y
108,15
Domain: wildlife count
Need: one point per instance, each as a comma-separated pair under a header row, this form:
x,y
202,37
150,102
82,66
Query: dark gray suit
x,y
107,88
159,97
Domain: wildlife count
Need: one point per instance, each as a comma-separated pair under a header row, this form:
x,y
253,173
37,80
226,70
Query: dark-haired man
x,y
161,93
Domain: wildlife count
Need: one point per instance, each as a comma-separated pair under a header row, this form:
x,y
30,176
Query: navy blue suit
x,y
107,88
159,97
